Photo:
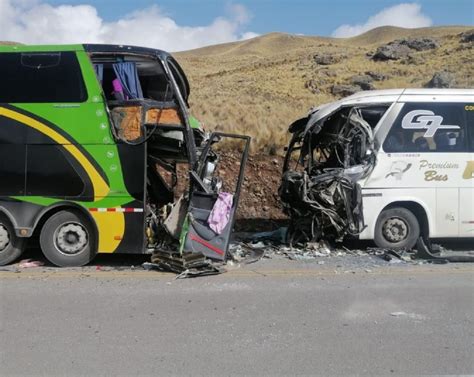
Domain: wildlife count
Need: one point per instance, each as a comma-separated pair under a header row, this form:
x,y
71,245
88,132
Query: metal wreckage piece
x,y
181,237
320,192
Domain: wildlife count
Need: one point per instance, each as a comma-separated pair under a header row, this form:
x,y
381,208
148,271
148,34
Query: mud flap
x,y
200,238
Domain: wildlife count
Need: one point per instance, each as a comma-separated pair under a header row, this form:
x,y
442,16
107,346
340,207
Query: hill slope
x,y
260,86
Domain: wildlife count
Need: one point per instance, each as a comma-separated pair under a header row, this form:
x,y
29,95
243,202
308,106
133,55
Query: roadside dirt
x,y
259,198
259,206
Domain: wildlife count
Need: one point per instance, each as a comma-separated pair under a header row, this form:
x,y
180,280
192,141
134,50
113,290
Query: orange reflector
x,y
117,238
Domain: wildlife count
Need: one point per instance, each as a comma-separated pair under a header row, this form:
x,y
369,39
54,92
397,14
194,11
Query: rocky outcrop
x,y
363,81
420,44
377,76
391,51
441,79
402,48
327,59
467,36
344,90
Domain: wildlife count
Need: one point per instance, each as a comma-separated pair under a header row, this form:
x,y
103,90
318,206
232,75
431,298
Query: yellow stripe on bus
x,y
111,227
101,189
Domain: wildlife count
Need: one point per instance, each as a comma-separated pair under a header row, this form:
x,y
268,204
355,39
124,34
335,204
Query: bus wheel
x,y
68,239
397,228
11,246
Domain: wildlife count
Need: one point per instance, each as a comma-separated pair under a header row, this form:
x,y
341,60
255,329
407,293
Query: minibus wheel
x,y
11,246
68,239
397,228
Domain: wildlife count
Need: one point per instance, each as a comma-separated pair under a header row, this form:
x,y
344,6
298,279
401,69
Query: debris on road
x,y
185,265
427,251
408,315
30,263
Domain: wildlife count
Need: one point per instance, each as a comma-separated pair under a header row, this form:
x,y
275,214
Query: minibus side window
x,y
428,127
41,78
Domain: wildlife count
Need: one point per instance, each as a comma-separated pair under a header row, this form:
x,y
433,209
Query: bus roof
x,y
92,48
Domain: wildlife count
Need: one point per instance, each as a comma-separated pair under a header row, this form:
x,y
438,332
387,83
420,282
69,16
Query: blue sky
x,y
177,25
310,17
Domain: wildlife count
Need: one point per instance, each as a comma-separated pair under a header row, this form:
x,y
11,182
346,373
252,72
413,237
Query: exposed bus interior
x,y
144,108
183,180
324,162
143,103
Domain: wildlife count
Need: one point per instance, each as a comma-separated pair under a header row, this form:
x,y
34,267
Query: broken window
x,y
325,160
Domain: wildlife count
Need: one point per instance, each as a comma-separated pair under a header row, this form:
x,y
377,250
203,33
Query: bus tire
x,y
11,246
396,228
68,239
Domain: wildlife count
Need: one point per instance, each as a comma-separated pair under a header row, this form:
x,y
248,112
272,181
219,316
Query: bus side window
x,y
37,77
428,127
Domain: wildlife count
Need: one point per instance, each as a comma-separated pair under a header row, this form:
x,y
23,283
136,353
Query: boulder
x,y
344,90
401,48
313,86
376,75
420,44
364,81
441,79
391,51
467,36
327,59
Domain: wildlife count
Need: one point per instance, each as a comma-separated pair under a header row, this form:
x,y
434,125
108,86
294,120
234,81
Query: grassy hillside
x,y
260,86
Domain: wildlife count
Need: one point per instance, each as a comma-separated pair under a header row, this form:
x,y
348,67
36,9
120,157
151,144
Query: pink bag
x,y
220,214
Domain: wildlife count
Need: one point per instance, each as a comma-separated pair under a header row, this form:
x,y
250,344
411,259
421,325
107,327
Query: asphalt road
x,y
275,318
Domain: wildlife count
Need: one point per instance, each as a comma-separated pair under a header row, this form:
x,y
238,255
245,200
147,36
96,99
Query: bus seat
x,y
127,120
421,144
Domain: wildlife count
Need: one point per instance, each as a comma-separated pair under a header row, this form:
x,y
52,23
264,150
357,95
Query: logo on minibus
x,y
432,169
398,169
426,119
469,171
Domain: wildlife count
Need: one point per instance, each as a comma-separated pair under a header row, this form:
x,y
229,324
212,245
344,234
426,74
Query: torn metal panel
x,y
326,158
185,265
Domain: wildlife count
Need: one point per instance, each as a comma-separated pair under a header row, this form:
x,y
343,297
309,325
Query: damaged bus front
x,y
93,139
388,166
328,155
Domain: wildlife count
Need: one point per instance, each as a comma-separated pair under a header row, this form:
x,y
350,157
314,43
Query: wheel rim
x,y
71,238
4,237
395,230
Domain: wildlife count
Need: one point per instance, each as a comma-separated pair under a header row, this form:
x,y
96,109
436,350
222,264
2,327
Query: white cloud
x,y
249,35
408,15
35,22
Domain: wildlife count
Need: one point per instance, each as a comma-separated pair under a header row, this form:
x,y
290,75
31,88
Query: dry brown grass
x,y
257,87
